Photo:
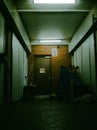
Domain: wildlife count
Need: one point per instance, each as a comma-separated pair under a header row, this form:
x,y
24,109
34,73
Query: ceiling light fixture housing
x,y
54,1
57,40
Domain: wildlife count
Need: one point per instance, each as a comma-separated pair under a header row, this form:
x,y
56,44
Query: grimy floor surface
x,y
48,114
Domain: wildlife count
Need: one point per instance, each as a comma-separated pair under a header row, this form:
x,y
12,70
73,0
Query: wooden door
x,y
42,75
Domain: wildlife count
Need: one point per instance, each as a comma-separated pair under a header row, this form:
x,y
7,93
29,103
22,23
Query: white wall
x,y
1,51
20,60
16,18
19,70
79,60
84,27
25,69
84,57
86,62
93,65
1,33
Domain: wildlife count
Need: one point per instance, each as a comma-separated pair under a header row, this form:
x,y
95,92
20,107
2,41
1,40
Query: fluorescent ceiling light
x,y
54,1
51,40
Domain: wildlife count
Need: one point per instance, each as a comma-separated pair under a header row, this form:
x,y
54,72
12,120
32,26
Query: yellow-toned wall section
x,y
63,58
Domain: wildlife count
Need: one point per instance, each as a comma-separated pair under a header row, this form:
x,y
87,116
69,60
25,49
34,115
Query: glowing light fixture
x,y
58,40
54,1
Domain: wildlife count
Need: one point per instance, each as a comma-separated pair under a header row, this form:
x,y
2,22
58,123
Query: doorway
x,y
42,75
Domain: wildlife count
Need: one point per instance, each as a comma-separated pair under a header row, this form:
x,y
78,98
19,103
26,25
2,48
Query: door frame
x,y
49,57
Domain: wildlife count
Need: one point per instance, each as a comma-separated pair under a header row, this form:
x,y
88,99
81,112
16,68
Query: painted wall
x,y
12,9
19,70
84,27
63,58
1,33
84,56
1,51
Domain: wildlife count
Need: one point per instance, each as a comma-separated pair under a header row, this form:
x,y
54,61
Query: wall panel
x,y
19,69
75,59
86,62
1,64
25,69
92,62
1,34
82,30
16,18
15,70
84,57
79,60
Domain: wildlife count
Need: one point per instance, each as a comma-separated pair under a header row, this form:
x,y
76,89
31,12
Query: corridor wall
x,y
18,23
84,55
86,63
19,70
82,30
1,52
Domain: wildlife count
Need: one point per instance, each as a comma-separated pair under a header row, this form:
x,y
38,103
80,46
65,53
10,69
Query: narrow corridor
x,y
48,114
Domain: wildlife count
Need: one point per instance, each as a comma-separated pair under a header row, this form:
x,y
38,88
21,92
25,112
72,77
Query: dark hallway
x,y
48,114
36,40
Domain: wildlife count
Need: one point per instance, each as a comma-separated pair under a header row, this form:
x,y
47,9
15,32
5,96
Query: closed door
x,y
42,75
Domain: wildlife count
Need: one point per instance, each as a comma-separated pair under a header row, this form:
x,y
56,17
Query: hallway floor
x,y
48,114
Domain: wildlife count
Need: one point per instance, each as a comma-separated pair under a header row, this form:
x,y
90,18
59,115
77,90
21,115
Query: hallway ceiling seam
x,y
56,11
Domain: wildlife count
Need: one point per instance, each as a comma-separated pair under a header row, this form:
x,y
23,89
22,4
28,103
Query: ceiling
x,y
52,21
